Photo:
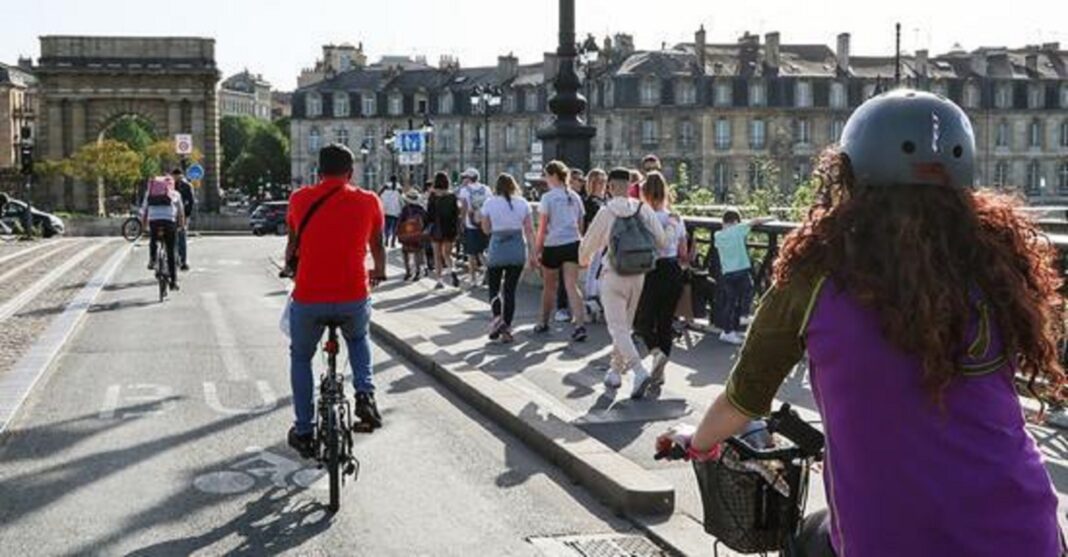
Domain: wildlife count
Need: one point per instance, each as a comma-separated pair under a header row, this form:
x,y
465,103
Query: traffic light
x,y
26,157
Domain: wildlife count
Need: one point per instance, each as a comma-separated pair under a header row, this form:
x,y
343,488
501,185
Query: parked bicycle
x,y
754,498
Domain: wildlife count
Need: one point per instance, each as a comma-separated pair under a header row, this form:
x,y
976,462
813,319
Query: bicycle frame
x,y
335,423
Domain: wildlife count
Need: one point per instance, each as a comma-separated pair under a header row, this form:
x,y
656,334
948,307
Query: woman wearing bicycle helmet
x,y
918,300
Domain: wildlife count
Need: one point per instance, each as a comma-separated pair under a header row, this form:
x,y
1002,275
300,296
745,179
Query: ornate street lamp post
x,y
428,130
485,99
568,137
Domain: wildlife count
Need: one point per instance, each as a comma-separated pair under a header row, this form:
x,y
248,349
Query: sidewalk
x,y
563,379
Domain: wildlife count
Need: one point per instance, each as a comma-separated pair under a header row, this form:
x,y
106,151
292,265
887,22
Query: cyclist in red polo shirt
x,y
332,283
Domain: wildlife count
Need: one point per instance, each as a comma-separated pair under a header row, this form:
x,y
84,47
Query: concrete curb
x,y
618,482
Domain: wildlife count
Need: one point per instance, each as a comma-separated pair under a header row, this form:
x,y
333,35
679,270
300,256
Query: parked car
x,y
15,213
270,217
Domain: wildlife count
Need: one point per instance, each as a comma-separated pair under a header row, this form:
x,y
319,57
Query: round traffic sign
x,y
195,172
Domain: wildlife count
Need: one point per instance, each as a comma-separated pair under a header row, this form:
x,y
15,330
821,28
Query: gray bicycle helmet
x,y
910,137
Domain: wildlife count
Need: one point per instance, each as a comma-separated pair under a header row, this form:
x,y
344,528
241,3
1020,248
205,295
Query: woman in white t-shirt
x,y
391,206
506,219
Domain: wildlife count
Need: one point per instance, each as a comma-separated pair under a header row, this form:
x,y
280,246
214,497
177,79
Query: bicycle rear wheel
x,y
333,456
131,229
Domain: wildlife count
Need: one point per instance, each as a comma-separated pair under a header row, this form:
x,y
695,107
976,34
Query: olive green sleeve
x,y
774,345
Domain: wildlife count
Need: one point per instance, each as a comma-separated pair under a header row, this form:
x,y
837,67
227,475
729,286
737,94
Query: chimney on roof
x,y
625,44
446,62
507,67
1031,61
771,50
748,51
843,53
921,62
699,43
25,63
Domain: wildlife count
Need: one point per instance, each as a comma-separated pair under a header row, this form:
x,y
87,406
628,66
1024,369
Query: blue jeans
x,y
306,325
732,292
182,248
389,233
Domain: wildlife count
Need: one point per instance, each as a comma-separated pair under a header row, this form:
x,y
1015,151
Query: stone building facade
x,y
18,107
722,111
246,94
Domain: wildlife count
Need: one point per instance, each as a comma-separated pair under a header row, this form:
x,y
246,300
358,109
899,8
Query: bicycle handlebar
x,y
808,442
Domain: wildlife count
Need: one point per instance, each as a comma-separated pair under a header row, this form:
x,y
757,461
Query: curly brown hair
x,y
914,252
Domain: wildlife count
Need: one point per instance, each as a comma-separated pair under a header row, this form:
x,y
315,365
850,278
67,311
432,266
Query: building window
x,y
1064,133
649,132
341,105
609,98
685,93
839,98
315,141
803,94
608,135
721,177
443,139
532,100
314,105
422,105
509,102
396,104
758,94
1001,137
802,131
1034,178
650,92
370,178
1062,178
1001,174
370,107
686,135
1064,96
509,138
341,135
836,130
723,134
724,93
369,138
756,175
445,103
940,88
1036,95
1034,134
971,96
757,135
1003,95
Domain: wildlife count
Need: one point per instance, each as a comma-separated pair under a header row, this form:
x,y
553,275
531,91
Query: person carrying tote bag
x,y
506,218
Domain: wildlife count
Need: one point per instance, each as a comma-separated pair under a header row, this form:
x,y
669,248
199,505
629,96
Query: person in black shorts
x,y
557,246
443,212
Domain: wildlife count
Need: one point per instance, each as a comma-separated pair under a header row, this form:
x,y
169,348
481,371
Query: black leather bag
x,y
294,260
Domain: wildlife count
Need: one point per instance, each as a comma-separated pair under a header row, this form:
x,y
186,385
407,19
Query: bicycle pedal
x,y
363,427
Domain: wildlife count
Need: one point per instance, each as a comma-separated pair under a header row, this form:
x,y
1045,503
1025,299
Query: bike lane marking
x,y
16,385
140,394
281,472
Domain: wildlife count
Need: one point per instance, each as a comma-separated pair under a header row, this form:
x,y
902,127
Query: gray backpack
x,y
631,247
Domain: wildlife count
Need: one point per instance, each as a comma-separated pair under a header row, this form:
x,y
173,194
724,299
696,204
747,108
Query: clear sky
x,y
277,38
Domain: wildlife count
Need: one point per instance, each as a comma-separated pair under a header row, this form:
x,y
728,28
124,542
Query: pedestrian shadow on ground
x,y
119,305
519,473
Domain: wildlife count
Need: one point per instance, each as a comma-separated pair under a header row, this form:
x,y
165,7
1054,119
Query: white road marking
x,y
142,394
17,383
224,483
270,400
10,307
226,342
276,469
30,249
16,270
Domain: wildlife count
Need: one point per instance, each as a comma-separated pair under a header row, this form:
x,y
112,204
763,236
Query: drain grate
x,y
607,545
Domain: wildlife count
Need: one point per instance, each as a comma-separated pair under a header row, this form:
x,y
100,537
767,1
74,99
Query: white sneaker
x,y
746,320
731,338
612,380
660,362
562,316
642,379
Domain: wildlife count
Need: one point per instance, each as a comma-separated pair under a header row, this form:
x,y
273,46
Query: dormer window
x,y
314,105
803,94
370,105
685,93
650,92
445,103
839,97
758,94
341,105
531,102
724,93
396,104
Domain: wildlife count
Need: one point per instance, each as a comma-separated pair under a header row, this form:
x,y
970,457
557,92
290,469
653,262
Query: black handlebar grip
x,y
676,452
789,424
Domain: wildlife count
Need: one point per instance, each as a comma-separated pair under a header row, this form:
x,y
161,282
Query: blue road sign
x,y
195,172
411,142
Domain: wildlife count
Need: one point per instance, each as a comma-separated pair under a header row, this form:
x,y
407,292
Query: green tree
x,y
112,165
263,162
162,155
235,133
283,126
138,135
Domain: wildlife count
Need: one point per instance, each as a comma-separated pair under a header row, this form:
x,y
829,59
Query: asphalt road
x,y
160,431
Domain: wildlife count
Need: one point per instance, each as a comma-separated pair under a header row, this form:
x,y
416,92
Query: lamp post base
x,y
569,143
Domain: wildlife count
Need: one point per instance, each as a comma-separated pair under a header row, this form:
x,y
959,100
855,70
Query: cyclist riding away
x,y
340,222
162,212
918,300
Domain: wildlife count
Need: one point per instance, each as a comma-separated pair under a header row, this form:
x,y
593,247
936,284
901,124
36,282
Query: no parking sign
x,y
183,144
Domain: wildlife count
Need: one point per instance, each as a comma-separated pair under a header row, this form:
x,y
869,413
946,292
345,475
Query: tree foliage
x,y
255,154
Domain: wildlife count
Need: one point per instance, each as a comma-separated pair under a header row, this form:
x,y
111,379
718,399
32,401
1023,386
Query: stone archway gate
x,y
86,83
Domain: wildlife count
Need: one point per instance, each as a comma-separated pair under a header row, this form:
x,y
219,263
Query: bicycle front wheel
x,y
333,456
131,229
